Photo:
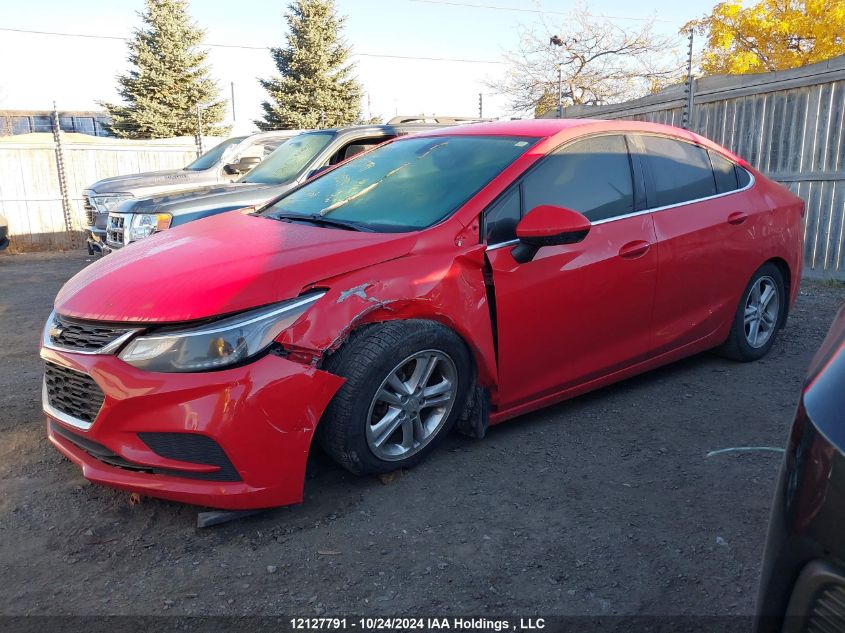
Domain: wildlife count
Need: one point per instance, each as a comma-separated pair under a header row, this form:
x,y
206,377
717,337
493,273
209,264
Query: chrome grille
x,y
115,230
72,392
81,335
827,611
90,211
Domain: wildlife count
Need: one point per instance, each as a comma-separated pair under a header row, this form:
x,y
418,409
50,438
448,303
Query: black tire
x,y
365,361
738,347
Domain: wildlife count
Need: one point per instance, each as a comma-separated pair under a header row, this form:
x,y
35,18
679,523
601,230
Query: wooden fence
x,y
787,124
30,193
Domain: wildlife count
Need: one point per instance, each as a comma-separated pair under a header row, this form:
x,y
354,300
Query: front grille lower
x,y
72,392
104,454
193,448
90,210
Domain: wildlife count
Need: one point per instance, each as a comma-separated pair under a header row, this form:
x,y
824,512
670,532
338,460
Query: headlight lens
x,y
145,224
107,203
219,344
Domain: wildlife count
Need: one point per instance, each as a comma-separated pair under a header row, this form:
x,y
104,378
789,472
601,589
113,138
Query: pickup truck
x,y
223,163
291,164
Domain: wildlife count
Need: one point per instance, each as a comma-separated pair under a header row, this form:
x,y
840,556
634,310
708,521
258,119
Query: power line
x,y
468,5
260,48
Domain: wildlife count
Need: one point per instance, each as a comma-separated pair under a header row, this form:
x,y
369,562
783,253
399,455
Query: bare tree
x,y
600,62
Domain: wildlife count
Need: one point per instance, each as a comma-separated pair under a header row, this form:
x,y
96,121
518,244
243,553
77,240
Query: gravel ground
x,y
606,504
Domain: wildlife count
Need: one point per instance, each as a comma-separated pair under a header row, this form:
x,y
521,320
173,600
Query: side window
x,y
501,219
592,176
355,147
743,178
681,171
725,173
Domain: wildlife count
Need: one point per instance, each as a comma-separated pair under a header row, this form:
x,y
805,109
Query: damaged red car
x,y
459,277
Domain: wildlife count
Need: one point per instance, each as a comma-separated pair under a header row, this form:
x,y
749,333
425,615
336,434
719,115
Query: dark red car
x,y
802,586
459,277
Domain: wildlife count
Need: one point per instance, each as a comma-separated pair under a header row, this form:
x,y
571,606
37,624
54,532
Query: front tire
x,y
759,316
406,385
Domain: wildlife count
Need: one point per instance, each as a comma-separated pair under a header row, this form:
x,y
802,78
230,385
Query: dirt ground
x,y
606,504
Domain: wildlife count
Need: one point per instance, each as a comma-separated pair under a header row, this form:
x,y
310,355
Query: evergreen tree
x,y
168,79
316,87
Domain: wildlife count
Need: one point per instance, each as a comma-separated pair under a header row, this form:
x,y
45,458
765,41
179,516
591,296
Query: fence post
x,y
686,121
67,209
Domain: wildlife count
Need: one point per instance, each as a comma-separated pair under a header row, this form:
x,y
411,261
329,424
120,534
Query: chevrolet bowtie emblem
x,y
56,331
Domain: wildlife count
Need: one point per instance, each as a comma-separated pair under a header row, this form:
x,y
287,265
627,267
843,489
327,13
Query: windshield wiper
x,y
320,221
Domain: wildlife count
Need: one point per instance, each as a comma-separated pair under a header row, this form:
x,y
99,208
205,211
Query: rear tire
x,y
760,314
406,385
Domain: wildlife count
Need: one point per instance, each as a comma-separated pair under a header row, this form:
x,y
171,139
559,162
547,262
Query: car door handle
x,y
737,217
635,249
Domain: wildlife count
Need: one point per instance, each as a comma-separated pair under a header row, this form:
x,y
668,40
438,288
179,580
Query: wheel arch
x,y
383,316
786,273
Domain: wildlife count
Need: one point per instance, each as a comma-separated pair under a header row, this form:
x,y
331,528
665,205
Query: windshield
x,y
285,164
406,185
213,155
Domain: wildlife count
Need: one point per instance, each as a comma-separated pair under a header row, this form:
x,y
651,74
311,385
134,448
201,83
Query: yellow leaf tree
x,y
770,35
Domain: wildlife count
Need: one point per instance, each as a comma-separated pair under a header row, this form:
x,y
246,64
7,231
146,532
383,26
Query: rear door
x,y
577,311
699,215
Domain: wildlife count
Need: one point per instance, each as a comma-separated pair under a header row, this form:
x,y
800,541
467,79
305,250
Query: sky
x,y
77,72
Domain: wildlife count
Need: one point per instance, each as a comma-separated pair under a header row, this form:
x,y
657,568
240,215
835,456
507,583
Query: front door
x,y
577,311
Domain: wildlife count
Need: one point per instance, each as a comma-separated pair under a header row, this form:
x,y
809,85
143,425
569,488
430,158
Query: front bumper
x,y
262,416
96,241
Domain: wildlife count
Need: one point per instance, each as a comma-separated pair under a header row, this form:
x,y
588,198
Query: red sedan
x,y
456,278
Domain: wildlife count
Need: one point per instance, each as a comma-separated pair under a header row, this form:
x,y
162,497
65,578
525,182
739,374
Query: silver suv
x,y
221,164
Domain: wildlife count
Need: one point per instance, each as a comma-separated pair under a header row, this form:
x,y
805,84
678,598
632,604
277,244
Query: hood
x,y
232,196
169,177
222,264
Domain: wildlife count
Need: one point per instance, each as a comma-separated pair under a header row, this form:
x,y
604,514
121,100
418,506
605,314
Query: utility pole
x,y
686,119
234,118
555,40
199,131
480,106
559,91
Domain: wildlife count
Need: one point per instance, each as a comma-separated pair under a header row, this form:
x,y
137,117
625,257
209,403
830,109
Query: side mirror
x,y
245,164
548,225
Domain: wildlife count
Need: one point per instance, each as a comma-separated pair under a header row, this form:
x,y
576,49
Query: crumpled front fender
x,y
440,286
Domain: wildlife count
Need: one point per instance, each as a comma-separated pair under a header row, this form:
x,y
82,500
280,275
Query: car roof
x,y
539,128
386,129
274,134
548,128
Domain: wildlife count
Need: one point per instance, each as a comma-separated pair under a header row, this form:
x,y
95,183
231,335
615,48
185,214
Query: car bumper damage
x,y
233,439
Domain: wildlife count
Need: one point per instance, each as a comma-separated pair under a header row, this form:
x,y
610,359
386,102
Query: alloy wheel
x,y
762,311
411,405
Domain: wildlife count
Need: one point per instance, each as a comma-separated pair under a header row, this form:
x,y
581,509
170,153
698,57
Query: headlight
x,y
107,203
145,224
218,344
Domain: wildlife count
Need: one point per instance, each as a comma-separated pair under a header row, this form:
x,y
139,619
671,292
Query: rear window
x,y
724,172
743,177
680,171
